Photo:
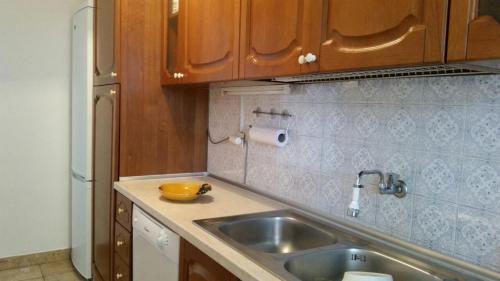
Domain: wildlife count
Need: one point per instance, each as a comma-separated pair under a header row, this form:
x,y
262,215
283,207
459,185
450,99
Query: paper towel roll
x,y
276,137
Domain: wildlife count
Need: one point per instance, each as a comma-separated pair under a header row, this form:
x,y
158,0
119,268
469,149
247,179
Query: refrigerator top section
x,y
81,93
85,4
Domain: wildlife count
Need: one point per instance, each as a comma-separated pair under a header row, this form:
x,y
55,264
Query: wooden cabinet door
x,y
208,40
105,173
474,30
106,42
196,266
274,34
379,33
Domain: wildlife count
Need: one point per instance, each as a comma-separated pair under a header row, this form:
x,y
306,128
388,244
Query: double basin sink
x,y
295,247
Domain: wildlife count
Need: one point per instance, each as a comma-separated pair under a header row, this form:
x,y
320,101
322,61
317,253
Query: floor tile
x,y
67,276
55,268
21,274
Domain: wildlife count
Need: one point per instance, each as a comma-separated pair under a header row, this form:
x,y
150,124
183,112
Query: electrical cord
x,y
216,142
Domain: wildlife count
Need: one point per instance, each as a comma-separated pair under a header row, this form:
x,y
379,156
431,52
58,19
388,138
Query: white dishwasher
x,y
155,249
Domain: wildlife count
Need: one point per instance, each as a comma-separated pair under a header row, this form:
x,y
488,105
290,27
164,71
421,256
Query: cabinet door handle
x,y
119,243
176,75
302,59
310,58
181,75
119,276
114,74
121,210
112,92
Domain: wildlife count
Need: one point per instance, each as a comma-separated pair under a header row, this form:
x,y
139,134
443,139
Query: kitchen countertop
x,y
223,200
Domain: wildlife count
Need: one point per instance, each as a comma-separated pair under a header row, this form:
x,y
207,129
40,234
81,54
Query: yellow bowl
x,y
184,191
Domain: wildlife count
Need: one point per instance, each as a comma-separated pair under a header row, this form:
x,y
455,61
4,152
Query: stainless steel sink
x,y
277,234
296,248
331,265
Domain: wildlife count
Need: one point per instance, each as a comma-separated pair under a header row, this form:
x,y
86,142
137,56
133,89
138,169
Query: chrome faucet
x,y
391,185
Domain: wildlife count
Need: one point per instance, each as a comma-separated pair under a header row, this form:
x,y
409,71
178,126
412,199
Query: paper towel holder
x,y
284,114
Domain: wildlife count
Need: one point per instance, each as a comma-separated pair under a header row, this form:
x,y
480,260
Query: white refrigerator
x,y
81,138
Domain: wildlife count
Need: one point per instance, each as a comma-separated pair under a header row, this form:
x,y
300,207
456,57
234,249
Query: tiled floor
x,y
55,271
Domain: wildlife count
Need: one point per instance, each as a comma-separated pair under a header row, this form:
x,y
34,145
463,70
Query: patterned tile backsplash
x,y
442,135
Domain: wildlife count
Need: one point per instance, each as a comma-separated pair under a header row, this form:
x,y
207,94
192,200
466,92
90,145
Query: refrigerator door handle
x,y
79,177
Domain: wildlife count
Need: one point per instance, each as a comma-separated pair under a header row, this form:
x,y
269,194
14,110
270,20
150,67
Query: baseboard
x,y
34,259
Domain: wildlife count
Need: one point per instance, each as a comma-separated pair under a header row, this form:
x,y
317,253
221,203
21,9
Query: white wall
x,y
34,125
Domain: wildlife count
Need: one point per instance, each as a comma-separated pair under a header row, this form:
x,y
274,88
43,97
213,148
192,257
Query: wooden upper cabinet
x,y
474,30
380,33
201,40
274,34
106,42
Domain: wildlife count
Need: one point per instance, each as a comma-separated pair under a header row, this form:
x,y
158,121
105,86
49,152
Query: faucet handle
x,y
392,179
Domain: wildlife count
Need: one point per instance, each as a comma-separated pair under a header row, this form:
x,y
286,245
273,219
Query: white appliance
x,y
81,138
155,249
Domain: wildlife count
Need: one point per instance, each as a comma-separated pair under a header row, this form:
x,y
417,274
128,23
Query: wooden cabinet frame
x,y
470,36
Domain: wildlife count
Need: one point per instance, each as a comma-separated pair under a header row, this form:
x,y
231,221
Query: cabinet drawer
x,y
123,243
123,211
121,270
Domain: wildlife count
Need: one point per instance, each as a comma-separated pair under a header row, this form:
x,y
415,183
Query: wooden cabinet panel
x,y
163,129
201,41
474,30
105,173
121,270
378,33
123,246
209,40
106,42
123,211
274,33
196,266
96,275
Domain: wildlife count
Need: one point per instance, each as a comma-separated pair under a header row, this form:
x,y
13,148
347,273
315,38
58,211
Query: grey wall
x,y
441,134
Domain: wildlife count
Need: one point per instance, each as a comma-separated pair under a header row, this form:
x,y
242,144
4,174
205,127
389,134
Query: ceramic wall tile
x,y
307,119
367,122
303,152
227,161
445,91
401,162
335,192
372,91
442,128
438,176
478,237
482,136
330,92
442,135
404,91
434,224
336,122
480,187
484,90
333,157
394,215
400,125
261,171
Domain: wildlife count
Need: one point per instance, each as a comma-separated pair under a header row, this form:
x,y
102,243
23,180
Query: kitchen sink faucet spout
x,y
388,184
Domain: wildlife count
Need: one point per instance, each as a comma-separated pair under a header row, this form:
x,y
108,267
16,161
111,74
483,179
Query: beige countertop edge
x,y
223,200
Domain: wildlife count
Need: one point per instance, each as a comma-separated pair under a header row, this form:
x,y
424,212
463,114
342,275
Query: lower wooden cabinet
x,y
123,211
123,243
122,262
121,270
197,266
